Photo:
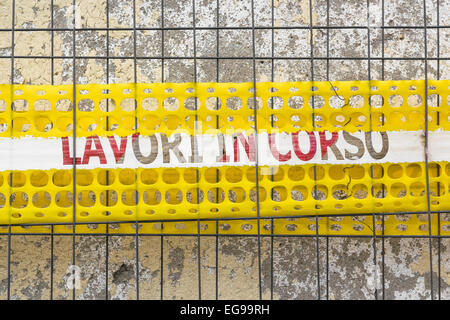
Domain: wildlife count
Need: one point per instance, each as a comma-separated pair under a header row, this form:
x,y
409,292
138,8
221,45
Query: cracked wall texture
x,y
351,273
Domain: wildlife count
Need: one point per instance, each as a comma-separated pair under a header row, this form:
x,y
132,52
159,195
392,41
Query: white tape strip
x,y
182,150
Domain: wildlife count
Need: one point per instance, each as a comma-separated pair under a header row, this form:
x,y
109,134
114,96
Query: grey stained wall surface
x,y
351,270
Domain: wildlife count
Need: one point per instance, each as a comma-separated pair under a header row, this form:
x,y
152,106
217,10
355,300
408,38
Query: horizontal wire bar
x,y
222,58
233,218
223,28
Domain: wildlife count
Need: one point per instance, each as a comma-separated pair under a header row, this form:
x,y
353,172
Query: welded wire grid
x,y
265,282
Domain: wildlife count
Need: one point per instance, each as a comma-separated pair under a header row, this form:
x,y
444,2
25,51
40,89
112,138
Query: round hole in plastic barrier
x,y
41,199
16,215
171,176
39,178
21,124
149,176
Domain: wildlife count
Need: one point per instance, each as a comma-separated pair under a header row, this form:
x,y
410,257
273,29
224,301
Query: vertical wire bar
x,y
327,262
382,40
217,260
438,184
256,149
161,266
383,225
52,82
107,171
199,273
327,266
272,24
74,163
271,258
135,125
369,76
51,263
10,176
311,39
217,127
430,242
9,263
162,80
382,259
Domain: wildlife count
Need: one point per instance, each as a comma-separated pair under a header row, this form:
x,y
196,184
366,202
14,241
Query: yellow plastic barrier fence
x,y
321,148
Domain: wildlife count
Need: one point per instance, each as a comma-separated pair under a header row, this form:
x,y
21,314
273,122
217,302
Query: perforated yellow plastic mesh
x,y
46,111
35,196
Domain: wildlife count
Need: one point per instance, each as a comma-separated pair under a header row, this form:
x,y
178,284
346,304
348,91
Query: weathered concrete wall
x,y
351,270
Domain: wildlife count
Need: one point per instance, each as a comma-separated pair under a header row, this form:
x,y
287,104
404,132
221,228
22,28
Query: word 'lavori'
x,y
236,149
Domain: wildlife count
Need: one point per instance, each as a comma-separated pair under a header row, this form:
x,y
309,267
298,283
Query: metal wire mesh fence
x,y
241,41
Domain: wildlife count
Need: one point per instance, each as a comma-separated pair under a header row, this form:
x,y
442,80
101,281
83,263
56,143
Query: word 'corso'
x,y
220,149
